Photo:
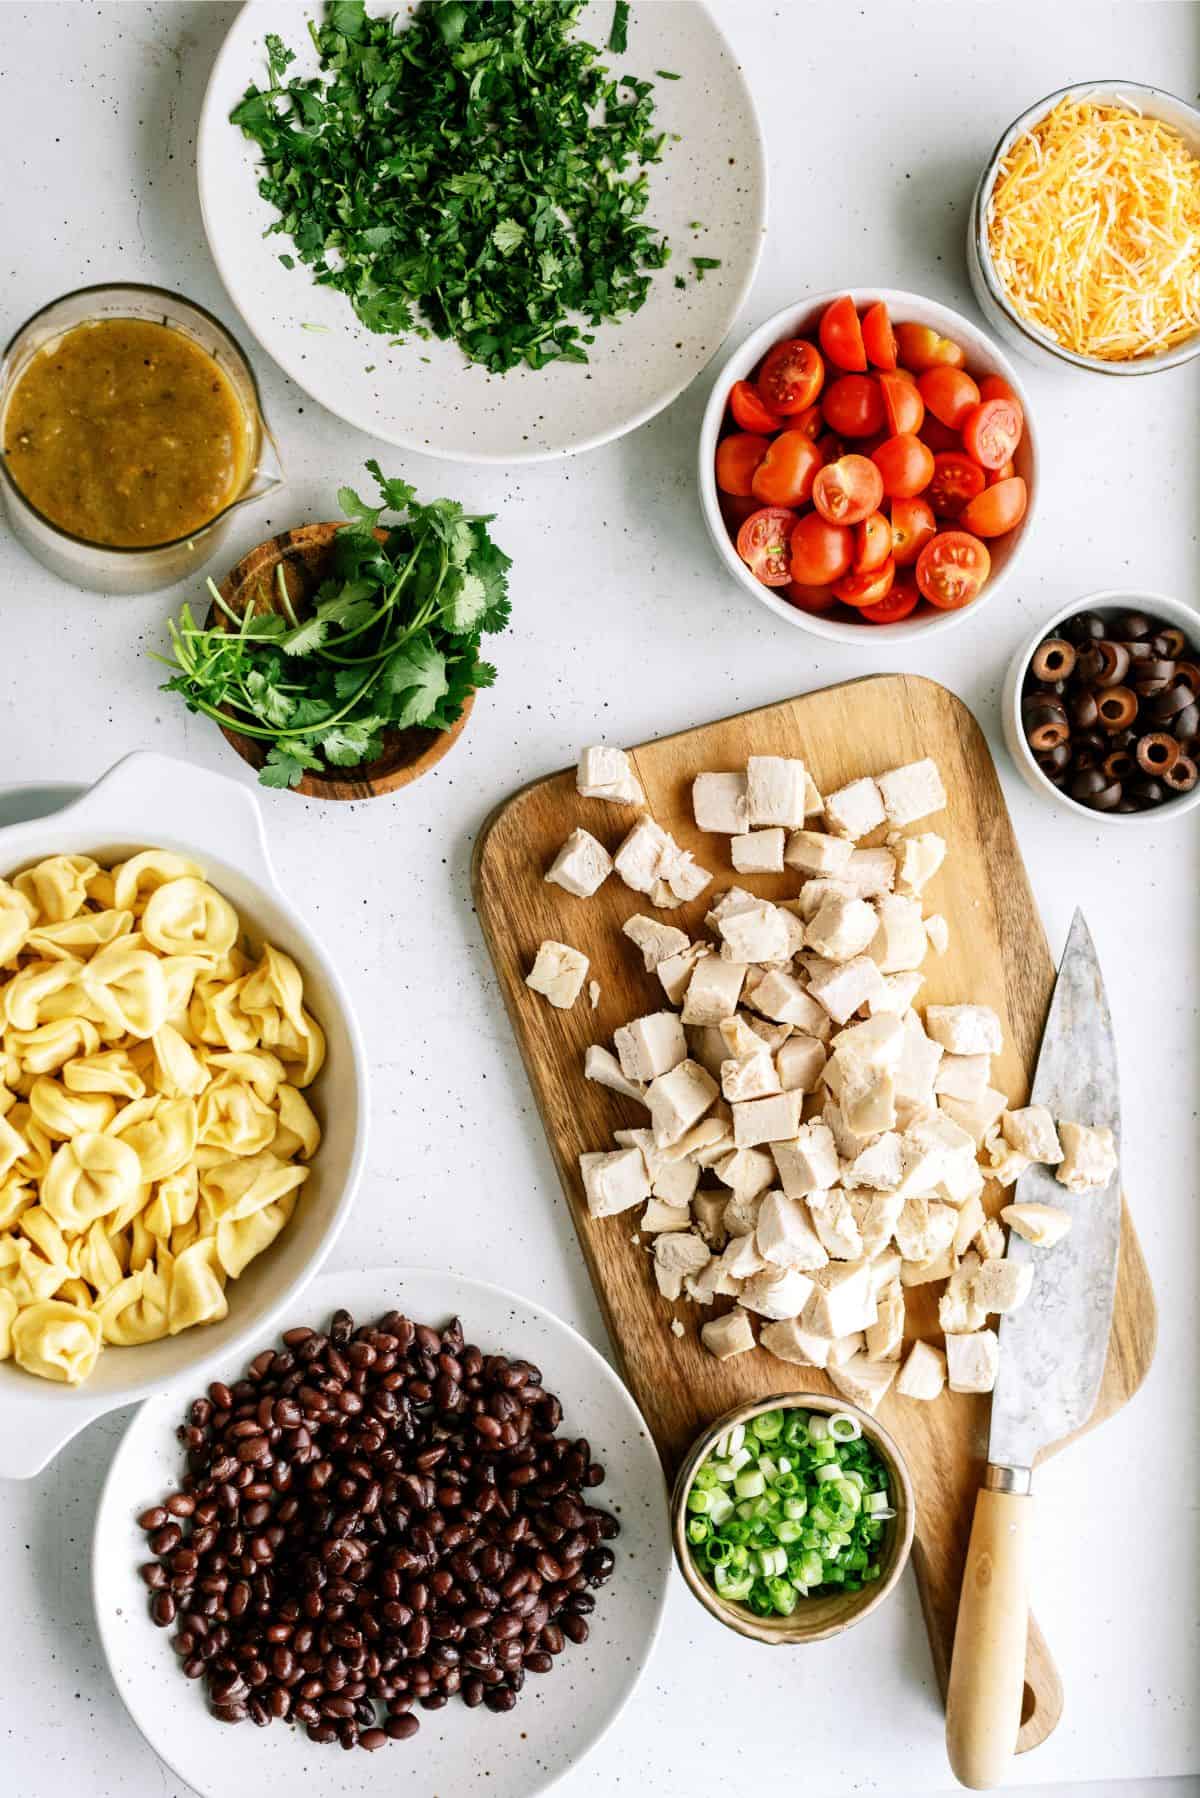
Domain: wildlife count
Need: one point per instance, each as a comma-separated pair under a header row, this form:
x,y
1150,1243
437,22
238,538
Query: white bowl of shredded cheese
x,y
1083,243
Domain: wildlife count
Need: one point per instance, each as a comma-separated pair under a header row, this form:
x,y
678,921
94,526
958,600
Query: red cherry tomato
x,y
821,552
866,589
749,412
785,475
906,465
831,447
736,508
992,431
841,335
737,458
1001,474
853,406
995,387
951,569
903,407
956,479
919,348
939,436
949,393
997,509
872,543
762,543
810,421
902,600
913,524
809,599
879,340
848,490
791,376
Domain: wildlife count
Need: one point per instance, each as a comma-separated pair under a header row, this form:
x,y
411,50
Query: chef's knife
x,y
1052,1354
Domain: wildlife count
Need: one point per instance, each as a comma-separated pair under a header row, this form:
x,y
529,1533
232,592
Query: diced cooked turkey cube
x,y
863,1381
775,791
815,852
602,1066
713,990
855,810
879,1167
1005,1164
748,1173
678,1100
973,1361
842,987
659,1216
920,858
885,1337
657,941
959,1311
912,792
1042,1225
581,865
759,933
749,1077
767,1120
559,973
708,1212
989,1238
1089,1157
651,1045
776,1292
965,1029
843,1299
733,899
684,877
938,932
740,1257
779,995
897,993
923,1375
976,1116
866,1095
672,1181
841,929
607,773
719,803
924,1273
614,1182
800,1062
784,1235
814,893
729,1335
870,872
971,1220
675,971
1031,1130
758,851
739,1039
808,1161
640,860
678,1254
836,1226
1001,1285
788,1340
963,1076
900,942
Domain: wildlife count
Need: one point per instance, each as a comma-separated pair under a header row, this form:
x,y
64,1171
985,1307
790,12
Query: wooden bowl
x,y
814,1619
306,557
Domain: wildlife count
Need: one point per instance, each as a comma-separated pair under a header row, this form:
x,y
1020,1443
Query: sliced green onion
x,y
818,1427
844,1428
750,1483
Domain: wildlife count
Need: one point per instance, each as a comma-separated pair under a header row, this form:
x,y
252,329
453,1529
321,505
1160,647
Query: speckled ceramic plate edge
x,y
460,1752
278,323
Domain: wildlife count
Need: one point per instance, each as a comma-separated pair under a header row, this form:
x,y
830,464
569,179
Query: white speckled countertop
x,y
878,117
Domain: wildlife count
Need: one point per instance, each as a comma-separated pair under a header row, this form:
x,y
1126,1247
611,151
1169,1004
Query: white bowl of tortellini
x,y
183,1098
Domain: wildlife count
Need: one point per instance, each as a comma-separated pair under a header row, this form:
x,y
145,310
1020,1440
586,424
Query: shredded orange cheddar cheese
x,y
1094,230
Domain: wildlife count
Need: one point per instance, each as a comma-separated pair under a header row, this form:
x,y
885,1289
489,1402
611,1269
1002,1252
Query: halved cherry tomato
x,y
913,524
763,541
810,421
939,436
956,479
949,393
992,431
903,406
1001,474
737,458
902,600
995,387
997,509
791,376
951,569
879,340
906,465
866,589
809,599
848,490
736,508
749,412
785,475
919,348
841,335
821,552
872,543
853,405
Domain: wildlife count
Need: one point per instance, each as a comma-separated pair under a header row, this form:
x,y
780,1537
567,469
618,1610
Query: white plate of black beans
x,y
424,1526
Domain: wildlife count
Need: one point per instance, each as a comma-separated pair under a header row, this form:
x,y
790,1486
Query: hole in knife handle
x,y
1028,1703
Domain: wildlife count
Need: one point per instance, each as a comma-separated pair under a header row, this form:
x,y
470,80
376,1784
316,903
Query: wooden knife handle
x,y
987,1668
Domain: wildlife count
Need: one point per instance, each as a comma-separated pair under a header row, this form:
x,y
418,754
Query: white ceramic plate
x,y
427,396
458,1753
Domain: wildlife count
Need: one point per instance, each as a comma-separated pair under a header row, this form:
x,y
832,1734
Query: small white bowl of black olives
x,y
1101,708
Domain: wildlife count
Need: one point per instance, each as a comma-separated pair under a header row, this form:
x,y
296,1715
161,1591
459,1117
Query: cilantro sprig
x,y
473,171
392,639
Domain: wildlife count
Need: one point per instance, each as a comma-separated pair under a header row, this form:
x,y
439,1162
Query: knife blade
x,y
1052,1354
1052,1350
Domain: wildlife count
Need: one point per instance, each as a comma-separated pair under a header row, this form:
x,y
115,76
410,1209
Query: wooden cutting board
x,y
998,956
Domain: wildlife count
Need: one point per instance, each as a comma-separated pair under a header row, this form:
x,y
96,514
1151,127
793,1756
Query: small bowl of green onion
x,y
793,1517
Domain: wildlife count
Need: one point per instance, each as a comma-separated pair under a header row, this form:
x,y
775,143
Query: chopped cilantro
x,y
472,172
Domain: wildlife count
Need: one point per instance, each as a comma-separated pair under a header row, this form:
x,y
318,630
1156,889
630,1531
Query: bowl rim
x,y
1104,599
734,1616
1037,339
133,551
63,1410
743,357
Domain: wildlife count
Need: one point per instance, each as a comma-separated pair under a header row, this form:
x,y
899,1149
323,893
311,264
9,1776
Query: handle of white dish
x,y
163,799
36,1428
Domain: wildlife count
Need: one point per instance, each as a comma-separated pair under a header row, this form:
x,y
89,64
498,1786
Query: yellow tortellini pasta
x,y
153,1135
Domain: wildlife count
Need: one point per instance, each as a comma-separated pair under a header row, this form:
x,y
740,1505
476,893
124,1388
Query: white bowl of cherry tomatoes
x,y
867,462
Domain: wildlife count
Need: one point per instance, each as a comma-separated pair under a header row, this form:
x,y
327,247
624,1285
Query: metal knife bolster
x,y
1015,1480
